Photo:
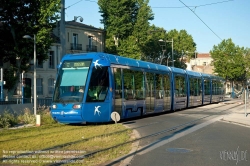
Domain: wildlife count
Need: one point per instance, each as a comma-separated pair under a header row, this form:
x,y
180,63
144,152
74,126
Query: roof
x,y
203,55
81,25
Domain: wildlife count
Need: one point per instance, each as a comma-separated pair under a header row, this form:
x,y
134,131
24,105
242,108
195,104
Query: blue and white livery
x,y
90,86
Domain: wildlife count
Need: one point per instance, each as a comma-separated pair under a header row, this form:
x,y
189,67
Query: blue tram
x,y
90,86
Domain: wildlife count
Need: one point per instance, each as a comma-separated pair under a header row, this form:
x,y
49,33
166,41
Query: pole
x,y
22,87
62,29
1,84
172,52
195,58
35,75
245,101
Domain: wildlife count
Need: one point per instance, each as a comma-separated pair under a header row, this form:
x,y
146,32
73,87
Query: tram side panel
x,y
206,84
194,91
217,90
180,91
137,93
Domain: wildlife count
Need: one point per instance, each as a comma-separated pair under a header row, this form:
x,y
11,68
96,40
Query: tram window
x,y
99,85
191,85
118,83
217,87
129,86
159,91
180,86
195,87
139,85
214,87
150,85
166,83
207,87
71,81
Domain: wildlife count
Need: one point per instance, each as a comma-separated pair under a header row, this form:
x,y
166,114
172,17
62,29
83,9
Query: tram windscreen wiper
x,y
62,101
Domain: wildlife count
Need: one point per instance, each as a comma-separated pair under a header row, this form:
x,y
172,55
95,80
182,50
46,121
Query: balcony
x,y
91,48
74,46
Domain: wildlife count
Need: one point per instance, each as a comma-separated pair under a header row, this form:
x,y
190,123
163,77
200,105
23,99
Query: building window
x,y
204,63
51,60
90,41
90,46
38,64
51,85
39,86
75,41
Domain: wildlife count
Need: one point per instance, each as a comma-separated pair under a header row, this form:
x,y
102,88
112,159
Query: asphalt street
x,y
197,136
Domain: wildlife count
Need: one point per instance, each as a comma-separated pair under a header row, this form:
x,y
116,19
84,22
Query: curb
x,y
236,123
126,159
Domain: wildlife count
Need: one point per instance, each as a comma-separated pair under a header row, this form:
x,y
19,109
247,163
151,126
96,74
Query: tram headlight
x,y
77,106
54,106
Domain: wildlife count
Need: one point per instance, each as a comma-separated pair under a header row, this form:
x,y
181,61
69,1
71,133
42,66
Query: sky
x,y
210,22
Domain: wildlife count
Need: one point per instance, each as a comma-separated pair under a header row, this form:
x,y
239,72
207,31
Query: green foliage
x,y
127,25
10,78
19,18
229,61
118,16
7,120
183,46
129,33
46,117
27,117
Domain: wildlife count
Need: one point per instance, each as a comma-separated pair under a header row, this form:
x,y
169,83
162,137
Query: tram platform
x,y
240,116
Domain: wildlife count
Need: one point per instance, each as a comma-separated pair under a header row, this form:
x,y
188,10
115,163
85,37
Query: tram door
x,y
118,90
167,92
150,92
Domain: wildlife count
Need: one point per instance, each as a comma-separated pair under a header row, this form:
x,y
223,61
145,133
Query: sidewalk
x,y
238,116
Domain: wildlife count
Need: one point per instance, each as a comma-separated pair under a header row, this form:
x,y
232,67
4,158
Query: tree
x,y
25,17
247,61
126,23
229,61
183,46
151,49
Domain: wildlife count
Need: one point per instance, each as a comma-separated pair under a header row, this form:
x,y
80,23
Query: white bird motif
x,y
97,111
137,63
97,64
116,58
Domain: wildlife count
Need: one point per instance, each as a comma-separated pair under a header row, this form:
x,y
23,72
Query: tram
x,y
91,86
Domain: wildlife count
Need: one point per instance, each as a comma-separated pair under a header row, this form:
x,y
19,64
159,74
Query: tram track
x,y
89,154
57,147
172,129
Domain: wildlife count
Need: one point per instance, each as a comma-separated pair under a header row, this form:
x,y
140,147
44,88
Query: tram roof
x,y
118,60
193,73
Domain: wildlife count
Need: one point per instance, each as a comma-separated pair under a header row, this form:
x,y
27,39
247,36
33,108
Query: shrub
x,y
46,117
7,120
27,117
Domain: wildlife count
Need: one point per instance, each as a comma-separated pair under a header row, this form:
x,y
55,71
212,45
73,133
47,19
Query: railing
x,y
75,46
40,101
91,48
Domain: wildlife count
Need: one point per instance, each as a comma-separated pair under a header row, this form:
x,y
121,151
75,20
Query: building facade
x,y
202,63
80,38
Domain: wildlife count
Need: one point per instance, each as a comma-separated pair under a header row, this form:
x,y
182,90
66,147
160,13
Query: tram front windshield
x,y
71,80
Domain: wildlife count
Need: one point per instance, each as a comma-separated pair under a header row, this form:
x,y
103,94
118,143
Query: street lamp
x,y
35,97
170,41
75,18
162,48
